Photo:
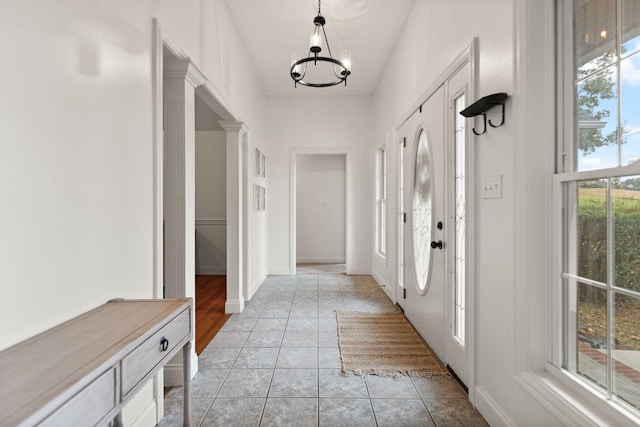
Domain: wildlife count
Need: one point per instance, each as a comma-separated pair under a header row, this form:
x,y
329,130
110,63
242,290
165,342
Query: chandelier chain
x,y
327,41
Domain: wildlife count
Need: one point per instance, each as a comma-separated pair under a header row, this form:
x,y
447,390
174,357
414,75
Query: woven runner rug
x,y
384,344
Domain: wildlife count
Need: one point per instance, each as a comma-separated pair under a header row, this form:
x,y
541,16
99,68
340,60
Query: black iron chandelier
x,y
341,68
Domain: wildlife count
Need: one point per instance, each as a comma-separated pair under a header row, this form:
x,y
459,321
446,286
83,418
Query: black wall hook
x,y
482,105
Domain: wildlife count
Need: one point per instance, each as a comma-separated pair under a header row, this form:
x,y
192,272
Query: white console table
x,y
82,372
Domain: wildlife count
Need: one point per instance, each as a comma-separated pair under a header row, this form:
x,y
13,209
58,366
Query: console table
x,y
82,372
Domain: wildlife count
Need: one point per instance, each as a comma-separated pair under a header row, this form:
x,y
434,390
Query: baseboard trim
x,y
256,285
234,306
173,371
385,286
147,417
320,261
490,410
280,271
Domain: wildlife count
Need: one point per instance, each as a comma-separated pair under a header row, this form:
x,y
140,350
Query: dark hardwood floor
x,y
210,316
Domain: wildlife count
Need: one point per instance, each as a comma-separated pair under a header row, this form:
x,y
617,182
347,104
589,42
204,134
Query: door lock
x,y
437,244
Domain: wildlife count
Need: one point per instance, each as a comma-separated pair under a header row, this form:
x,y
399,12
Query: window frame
x,y
381,202
566,172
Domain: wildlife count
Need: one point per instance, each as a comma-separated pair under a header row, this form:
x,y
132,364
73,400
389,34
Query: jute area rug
x,y
384,344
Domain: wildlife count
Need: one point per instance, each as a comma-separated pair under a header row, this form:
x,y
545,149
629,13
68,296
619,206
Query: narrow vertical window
x,y
401,213
460,193
381,208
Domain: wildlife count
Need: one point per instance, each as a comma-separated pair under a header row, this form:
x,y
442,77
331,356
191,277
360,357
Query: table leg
x,y
186,382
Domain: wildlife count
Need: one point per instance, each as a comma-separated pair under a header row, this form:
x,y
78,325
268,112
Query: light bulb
x,y
315,40
345,58
295,57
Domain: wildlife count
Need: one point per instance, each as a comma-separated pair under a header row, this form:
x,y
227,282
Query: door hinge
x,y
404,217
404,142
404,293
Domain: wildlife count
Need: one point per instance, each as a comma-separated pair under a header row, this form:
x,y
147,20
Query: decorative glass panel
x,y
460,222
401,216
422,212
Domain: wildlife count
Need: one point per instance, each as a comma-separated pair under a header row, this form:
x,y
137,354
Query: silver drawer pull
x,y
164,344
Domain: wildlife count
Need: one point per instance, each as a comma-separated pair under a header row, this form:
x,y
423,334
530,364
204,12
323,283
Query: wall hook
x,y
501,122
484,117
482,105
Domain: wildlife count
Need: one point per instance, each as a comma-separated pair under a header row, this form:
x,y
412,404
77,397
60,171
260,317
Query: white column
x,y
180,80
235,260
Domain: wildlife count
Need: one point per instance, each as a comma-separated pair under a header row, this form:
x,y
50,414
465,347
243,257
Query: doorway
x,y
320,211
210,224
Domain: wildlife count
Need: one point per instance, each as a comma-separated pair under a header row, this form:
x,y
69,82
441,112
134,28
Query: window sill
x,y
573,404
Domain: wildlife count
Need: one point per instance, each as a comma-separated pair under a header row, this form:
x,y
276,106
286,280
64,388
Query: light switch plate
x,y
492,187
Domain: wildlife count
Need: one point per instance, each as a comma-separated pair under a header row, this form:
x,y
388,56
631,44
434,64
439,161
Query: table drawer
x,y
89,406
143,359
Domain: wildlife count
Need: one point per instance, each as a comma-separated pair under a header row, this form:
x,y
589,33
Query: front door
x,y
425,229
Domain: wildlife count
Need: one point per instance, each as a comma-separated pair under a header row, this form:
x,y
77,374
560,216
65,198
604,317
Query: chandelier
x,y
341,68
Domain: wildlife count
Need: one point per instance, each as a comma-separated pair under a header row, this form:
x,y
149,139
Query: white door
x,y
424,186
436,234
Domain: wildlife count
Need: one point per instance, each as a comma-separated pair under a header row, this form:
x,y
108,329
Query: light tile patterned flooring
x,y
278,364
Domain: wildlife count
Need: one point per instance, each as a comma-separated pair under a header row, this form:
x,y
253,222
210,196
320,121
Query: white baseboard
x,y
255,286
320,261
490,410
212,270
280,271
173,370
388,289
148,416
234,306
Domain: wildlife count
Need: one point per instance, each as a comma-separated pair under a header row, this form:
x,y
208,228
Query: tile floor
x,y
278,364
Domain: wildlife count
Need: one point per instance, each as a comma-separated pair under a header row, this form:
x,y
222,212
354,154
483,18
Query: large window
x,y
381,202
599,183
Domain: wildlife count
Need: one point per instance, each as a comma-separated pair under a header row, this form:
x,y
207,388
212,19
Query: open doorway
x,y
321,206
210,224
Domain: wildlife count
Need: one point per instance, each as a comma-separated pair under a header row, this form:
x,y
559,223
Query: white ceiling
x,y
273,29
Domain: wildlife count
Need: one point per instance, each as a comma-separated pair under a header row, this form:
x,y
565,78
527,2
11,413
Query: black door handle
x,y
437,244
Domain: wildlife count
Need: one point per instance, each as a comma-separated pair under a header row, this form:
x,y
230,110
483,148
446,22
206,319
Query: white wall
x,y
320,208
205,31
76,148
320,124
258,255
435,33
211,202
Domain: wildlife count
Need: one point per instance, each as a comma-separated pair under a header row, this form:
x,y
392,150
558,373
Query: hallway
x,y
278,364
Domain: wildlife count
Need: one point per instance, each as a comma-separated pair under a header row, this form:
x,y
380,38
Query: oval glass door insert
x,y
422,213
